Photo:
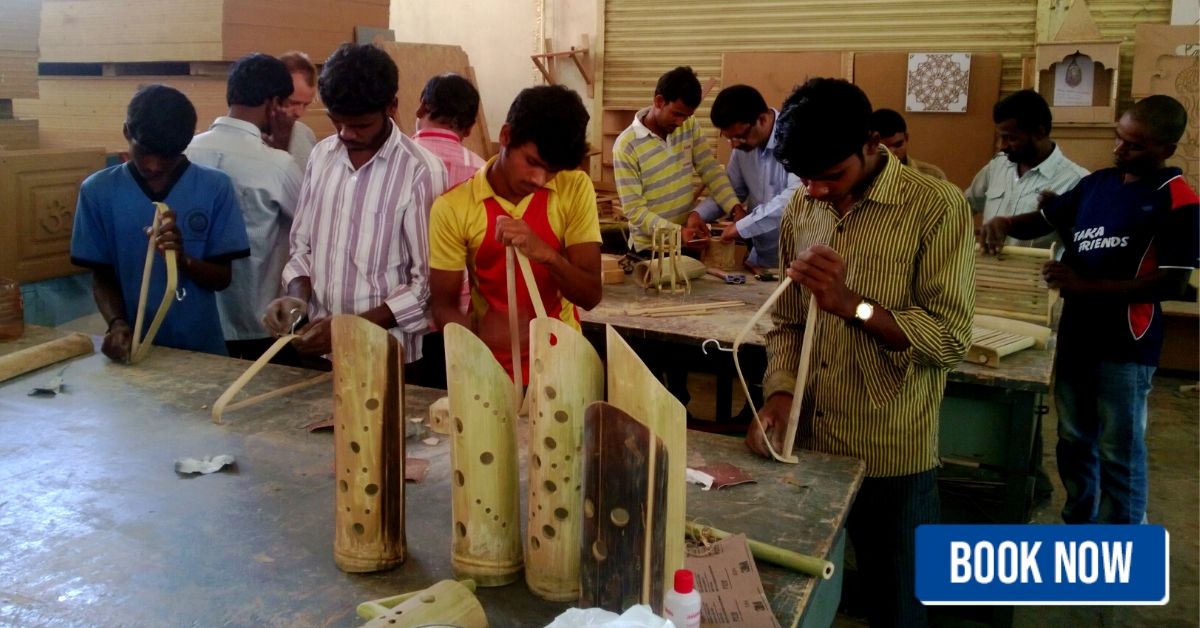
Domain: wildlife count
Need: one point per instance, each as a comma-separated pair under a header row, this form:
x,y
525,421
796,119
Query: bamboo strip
x,y
737,344
279,392
685,307
1040,333
1023,316
218,409
810,327
514,330
35,357
140,347
802,563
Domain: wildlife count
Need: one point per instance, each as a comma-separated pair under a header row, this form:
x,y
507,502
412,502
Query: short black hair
x,y
161,120
679,84
888,122
358,79
1164,118
257,78
451,99
555,120
1027,108
737,104
822,123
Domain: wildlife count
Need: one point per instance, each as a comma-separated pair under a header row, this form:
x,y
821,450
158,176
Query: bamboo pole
x,y
802,563
45,354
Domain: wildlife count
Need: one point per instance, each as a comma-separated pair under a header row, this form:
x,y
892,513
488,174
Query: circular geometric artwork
x,y
938,82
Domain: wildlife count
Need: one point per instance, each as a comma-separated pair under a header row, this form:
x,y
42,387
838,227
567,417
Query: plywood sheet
x,y
776,74
417,64
1159,69
18,74
90,111
19,28
38,191
959,143
18,134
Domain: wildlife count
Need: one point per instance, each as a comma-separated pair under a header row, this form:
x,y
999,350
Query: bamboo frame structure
x,y
484,488
634,389
993,338
566,375
222,404
1010,284
140,347
368,435
666,247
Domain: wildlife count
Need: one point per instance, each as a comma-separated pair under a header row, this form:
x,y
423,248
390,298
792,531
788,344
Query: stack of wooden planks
x,y
18,71
94,61
1010,285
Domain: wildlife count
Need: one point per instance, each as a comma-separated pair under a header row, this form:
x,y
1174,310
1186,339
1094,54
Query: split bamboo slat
x,y
368,436
566,375
140,347
222,404
446,603
484,489
634,389
33,358
1010,284
624,474
993,337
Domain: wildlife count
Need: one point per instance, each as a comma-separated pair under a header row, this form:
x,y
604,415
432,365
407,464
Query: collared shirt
x,y
654,176
924,167
460,162
361,235
998,191
301,145
267,182
765,187
907,245
459,223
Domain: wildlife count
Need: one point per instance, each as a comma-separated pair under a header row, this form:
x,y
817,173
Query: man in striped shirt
x,y
449,106
359,243
887,254
655,159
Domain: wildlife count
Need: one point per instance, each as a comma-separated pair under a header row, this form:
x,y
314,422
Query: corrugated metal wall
x,y
644,38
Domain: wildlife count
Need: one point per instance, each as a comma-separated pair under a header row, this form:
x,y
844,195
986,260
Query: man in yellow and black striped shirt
x,y
888,255
655,158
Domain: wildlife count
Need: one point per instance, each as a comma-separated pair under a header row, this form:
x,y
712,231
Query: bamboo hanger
x,y
140,347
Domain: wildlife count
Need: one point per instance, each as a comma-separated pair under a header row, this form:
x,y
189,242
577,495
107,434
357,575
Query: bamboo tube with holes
x,y
368,438
565,376
484,488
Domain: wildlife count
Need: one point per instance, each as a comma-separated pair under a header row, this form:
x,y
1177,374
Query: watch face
x,y
863,311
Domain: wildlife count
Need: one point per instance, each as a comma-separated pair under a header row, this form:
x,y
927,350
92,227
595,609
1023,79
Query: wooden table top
x,y
99,529
1029,370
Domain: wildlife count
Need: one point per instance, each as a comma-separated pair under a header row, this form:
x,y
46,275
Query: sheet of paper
x,y
731,592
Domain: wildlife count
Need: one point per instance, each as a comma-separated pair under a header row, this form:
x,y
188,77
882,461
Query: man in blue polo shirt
x,y
1130,240
204,227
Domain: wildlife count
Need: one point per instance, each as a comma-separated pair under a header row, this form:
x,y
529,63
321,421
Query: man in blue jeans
x,y
1130,236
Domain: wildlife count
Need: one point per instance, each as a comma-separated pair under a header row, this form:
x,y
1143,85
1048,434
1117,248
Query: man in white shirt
x,y
1028,163
360,243
267,182
758,179
287,132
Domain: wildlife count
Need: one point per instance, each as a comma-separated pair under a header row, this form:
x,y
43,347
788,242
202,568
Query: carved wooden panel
x,y
1159,68
38,191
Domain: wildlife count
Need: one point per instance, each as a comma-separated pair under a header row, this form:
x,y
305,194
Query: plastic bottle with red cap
x,y
682,605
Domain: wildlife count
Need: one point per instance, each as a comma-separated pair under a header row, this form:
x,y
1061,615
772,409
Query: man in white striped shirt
x,y
359,243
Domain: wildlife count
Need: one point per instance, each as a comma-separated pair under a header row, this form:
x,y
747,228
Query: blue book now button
x,y
1042,564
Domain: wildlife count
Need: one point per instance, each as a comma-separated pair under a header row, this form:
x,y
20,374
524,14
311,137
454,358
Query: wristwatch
x,y
862,313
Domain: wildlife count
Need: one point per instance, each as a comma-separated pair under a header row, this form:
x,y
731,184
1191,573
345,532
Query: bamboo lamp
x,y
484,489
566,375
368,434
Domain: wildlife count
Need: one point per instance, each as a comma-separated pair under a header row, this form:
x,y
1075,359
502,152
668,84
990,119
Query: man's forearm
x,y
578,285
106,289
381,315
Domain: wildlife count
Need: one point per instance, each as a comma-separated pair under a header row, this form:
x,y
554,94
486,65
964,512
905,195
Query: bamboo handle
x,y
531,286
514,329
810,327
139,347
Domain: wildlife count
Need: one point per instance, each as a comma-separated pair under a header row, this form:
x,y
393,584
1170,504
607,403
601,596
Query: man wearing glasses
x,y
758,179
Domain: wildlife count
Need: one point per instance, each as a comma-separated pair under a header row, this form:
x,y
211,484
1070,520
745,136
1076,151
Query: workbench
x,y
987,416
98,529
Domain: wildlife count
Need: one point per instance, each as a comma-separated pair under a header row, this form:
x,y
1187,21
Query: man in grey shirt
x,y
1028,163
268,186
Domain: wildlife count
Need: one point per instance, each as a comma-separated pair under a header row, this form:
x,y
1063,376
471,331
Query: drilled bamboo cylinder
x,y
368,434
566,375
446,603
484,483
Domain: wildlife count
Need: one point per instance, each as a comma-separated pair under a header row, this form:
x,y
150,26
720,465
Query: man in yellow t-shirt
x,y
530,197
